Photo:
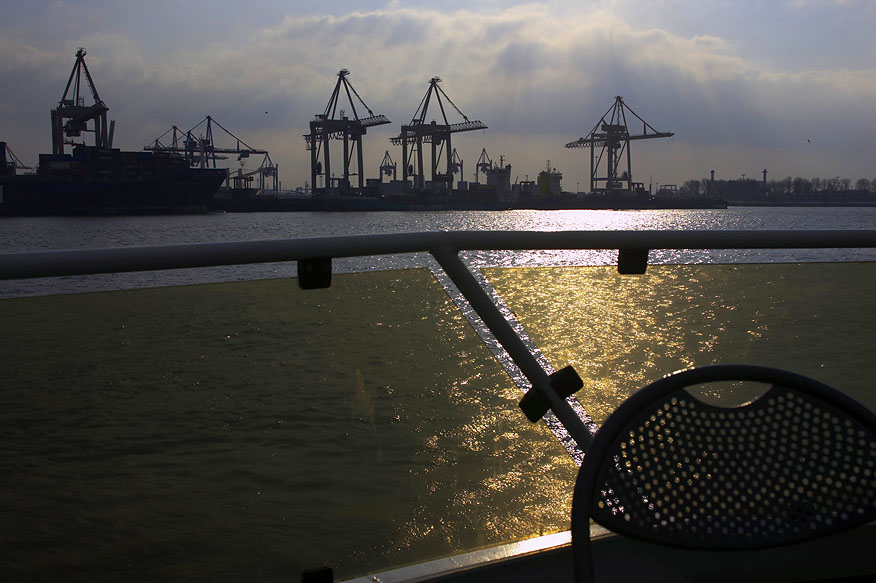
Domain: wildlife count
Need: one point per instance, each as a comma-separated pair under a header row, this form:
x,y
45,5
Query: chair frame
x,y
618,423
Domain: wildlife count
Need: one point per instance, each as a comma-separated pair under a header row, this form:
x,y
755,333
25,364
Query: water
x,y
29,234
32,234
249,430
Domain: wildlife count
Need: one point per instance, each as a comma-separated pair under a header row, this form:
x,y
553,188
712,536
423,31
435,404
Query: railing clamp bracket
x,y
632,261
564,382
315,273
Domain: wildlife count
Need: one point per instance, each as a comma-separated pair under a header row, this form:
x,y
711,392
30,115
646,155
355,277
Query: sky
x,y
787,85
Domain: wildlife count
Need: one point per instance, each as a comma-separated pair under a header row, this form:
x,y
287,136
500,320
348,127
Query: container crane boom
x,y
202,150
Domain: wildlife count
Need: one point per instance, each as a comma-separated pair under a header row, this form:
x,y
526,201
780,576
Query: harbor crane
x,y
418,132
387,167
176,144
611,137
266,173
202,151
456,164
484,163
334,125
70,119
14,163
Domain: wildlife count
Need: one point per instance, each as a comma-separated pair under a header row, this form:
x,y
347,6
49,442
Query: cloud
x,y
537,74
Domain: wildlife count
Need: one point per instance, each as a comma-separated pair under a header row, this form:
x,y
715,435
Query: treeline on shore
x,y
784,190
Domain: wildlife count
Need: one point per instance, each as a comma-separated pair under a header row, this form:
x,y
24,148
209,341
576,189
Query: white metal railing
x,y
445,247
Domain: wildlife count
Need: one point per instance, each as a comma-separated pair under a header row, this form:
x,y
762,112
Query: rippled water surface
x,y
249,430
252,430
29,234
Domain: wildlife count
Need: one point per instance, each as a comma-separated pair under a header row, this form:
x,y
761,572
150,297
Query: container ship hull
x,y
102,181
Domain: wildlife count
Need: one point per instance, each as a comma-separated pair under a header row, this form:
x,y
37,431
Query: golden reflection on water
x,y
621,332
258,428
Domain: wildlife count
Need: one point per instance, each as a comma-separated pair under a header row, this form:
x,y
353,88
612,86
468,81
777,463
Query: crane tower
x,y
609,143
484,164
418,132
333,126
72,108
387,166
457,164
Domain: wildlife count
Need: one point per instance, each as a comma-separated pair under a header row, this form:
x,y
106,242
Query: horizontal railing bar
x,y
21,265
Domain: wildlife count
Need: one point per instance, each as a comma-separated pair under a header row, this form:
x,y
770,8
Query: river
x,y
32,234
249,429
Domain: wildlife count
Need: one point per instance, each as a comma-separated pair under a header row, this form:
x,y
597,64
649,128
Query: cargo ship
x,y
99,179
105,181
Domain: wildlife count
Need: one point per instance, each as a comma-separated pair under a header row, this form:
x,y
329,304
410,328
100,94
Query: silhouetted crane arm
x,y
374,120
654,135
467,126
599,140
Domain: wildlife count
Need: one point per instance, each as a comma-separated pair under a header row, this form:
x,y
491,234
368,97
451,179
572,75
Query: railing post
x,y
449,260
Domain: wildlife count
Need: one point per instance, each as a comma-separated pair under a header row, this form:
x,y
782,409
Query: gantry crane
x,y
201,151
176,144
484,163
387,167
456,164
265,172
9,162
419,132
328,127
72,108
612,137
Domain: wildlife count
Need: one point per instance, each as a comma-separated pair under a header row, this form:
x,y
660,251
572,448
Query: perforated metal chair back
x,y
795,464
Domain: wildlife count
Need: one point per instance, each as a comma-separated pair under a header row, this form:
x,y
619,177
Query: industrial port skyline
x,y
740,92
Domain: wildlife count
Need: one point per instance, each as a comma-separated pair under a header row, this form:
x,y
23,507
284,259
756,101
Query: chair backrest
x,y
795,464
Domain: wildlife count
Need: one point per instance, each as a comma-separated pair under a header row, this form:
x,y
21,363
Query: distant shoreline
x,y
807,203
